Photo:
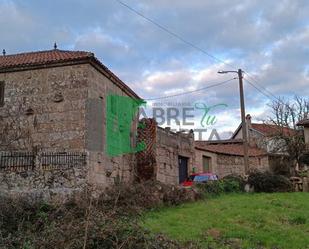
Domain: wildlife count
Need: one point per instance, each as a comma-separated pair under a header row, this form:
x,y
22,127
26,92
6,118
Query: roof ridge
x,y
51,50
275,125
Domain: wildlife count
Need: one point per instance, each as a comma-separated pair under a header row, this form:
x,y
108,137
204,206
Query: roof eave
x,y
229,154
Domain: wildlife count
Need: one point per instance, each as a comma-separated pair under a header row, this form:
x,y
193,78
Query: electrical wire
x,y
193,91
174,34
265,94
270,96
197,48
257,83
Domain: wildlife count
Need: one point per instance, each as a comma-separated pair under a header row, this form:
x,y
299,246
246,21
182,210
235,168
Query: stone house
x,y
225,157
59,100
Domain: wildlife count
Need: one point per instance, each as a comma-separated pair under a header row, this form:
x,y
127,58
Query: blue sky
x,y
269,39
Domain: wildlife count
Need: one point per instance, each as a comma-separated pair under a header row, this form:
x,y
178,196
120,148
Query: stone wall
x,y
224,164
53,106
160,158
43,174
169,146
59,183
105,170
230,164
198,163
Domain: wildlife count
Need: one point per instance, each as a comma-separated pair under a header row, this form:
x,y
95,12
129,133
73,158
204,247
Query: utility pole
x,y
243,120
243,117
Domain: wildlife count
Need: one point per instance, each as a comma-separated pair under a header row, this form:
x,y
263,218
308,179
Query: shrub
x,y
305,158
135,198
234,183
228,184
281,165
107,221
268,182
211,188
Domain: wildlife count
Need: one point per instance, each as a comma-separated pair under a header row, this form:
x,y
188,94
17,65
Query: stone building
x,y
227,157
175,155
168,156
57,100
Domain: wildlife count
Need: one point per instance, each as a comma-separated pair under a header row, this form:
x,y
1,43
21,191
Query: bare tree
x,y
288,138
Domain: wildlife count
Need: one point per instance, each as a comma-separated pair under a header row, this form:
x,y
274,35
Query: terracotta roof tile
x,y
270,130
228,147
41,58
29,60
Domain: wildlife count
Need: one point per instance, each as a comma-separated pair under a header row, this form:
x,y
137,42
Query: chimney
x,y
249,127
3,52
248,120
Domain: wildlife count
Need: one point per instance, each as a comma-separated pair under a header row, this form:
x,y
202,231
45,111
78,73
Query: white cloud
x,y
268,38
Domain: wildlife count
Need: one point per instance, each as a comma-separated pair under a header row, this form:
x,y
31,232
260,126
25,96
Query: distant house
x,y
226,157
267,149
264,136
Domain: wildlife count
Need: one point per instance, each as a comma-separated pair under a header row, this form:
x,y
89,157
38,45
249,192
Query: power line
x,y
276,98
253,85
173,33
267,95
197,48
197,90
270,96
257,83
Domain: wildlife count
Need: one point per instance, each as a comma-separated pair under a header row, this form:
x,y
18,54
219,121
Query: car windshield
x,y
201,178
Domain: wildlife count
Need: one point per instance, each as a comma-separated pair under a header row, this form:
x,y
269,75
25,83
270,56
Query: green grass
x,y
278,220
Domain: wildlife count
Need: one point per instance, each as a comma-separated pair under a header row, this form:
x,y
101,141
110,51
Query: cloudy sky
x,y
268,39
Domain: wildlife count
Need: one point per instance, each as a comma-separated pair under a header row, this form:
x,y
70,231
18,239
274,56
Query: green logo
x,y
121,112
207,119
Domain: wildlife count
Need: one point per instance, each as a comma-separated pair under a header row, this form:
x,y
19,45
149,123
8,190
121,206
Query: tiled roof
x,y
228,147
41,58
270,130
50,58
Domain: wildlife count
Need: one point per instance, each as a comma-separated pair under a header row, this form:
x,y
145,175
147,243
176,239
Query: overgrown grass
x,y
279,220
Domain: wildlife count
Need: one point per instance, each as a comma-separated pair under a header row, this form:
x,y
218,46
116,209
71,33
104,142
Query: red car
x,y
199,178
